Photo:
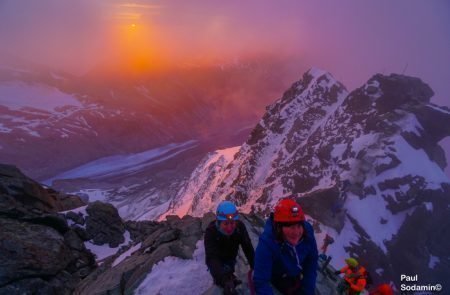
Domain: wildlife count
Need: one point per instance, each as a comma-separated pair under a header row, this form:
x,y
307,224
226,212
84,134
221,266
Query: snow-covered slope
x,y
206,177
139,185
17,95
365,165
169,276
124,164
44,117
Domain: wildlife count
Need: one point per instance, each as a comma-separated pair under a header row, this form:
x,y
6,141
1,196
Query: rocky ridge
x,y
39,251
62,253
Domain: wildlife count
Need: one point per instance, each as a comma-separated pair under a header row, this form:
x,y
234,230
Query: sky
x,y
352,39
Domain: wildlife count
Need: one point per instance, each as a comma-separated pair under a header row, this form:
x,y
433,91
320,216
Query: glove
x,y
342,287
227,283
229,288
237,282
338,272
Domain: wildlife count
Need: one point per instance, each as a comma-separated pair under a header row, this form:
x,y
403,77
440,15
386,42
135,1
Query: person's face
x,y
292,233
228,226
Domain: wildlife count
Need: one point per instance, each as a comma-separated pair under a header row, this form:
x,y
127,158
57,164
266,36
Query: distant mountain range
x,y
51,122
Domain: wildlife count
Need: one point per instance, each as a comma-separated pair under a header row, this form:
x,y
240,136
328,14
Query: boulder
x,y
38,249
77,218
104,225
30,250
26,197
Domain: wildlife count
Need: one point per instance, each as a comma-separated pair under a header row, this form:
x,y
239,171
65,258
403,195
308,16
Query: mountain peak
x,y
396,92
316,72
381,140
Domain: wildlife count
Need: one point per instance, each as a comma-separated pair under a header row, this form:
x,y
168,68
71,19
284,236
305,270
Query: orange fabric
x,y
383,289
356,280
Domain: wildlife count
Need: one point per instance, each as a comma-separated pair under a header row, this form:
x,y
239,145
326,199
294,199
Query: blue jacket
x,y
274,260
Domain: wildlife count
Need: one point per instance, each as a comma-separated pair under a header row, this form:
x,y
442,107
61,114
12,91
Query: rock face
x,y
104,225
38,249
153,241
366,165
45,254
31,245
24,196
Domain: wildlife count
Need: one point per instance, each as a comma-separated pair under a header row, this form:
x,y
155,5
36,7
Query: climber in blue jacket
x,y
286,255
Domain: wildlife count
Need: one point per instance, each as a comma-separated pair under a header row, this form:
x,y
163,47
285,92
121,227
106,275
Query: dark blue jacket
x,y
221,249
275,260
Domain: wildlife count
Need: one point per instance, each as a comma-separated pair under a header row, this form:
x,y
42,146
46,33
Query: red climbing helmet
x,y
287,210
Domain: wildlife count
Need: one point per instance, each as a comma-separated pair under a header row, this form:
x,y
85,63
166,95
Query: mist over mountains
x,y
104,113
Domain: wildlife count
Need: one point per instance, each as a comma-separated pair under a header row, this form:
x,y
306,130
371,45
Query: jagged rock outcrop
x,y
140,230
381,139
154,241
39,252
51,257
314,203
104,225
26,197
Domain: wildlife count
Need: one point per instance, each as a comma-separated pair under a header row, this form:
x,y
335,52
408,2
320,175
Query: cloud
x,y
127,16
139,6
351,39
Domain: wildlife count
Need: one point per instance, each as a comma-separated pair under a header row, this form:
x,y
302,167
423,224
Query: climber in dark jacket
x,y
222,240
286,255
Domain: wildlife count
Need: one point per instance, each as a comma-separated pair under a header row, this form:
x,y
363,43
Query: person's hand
x,y
229,288
228,284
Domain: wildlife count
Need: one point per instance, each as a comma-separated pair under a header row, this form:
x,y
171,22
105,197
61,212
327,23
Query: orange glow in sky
x,y
133,44
352,40
135,48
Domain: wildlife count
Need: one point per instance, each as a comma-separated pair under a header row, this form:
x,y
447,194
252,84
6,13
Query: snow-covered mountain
x,y
52,122
140,185
47,125
365,165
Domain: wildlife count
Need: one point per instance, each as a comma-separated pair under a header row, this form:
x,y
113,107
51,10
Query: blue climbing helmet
x,y
227,211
